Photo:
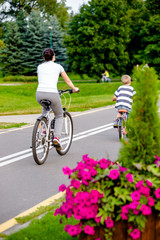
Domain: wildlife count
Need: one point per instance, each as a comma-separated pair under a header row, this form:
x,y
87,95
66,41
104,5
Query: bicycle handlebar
x,y
67,90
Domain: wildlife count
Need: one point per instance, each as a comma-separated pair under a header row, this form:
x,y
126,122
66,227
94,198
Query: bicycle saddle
x,y
122,110
46,104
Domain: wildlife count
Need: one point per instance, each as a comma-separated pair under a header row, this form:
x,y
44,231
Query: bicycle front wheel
x,y
67,134
40,144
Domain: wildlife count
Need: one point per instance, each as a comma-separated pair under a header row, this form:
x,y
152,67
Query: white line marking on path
x,y
27,153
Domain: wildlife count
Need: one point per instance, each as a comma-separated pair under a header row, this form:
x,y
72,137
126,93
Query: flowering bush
x,y
102,192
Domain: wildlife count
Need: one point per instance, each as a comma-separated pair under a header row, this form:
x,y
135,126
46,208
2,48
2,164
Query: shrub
x,y
143,125
20,79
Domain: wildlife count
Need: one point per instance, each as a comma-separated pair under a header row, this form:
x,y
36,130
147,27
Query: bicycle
x,y
122,123
43,132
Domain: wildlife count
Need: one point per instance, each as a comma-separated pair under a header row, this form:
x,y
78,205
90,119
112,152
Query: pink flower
x,y
85,157
93,172
89,230
94,196
135,234
151,201
146,210
67,171
97,219
62,188
129,177
86,175
122,169
91,212
145,191
135,196
73,230
57,211
75,183
114,174
157,193
104,163
136,212
109,223
124,216
125,209
138,184
157,162
134,205
150,184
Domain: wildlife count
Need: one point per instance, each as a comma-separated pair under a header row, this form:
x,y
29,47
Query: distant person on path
x,y
48,73
124,97
105,76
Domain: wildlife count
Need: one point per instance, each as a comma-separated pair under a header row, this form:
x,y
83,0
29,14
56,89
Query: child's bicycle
x,y
43,132
122,123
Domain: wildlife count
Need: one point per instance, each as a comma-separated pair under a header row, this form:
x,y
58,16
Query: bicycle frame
x,y
122,123
47,116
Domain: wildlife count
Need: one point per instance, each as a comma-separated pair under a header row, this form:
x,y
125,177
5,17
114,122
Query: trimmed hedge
x,y
20,78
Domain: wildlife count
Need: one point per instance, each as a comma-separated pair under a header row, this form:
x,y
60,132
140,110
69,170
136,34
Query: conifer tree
x,y
34,43
22,28
143,125
11,55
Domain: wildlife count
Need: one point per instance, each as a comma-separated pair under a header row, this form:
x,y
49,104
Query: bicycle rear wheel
x,y
67,134
122,128
40,144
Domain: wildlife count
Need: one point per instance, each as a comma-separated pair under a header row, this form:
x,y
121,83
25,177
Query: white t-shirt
x,y
48,74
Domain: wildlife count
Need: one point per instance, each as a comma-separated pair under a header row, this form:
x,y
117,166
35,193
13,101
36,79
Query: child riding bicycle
x,y
124,97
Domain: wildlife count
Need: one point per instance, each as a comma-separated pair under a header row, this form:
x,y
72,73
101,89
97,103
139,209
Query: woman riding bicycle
x,y
48,74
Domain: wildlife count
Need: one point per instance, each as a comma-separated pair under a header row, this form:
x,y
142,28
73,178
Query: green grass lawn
x,y
21,99
4,125
46,228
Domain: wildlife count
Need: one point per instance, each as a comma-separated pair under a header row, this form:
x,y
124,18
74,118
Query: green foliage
x,y
55,8
49,8
137,15
97,38
153,6
150,44
143,123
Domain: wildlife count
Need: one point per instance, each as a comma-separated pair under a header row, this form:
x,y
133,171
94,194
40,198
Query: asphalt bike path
x,y
24,184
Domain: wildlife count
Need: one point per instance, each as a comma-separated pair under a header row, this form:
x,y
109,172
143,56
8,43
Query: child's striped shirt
x,y
124,96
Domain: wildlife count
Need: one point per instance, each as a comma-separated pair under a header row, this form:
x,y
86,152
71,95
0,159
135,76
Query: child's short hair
x,y
125,79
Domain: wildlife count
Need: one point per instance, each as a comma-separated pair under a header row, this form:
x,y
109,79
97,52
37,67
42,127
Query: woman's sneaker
x,y
56,143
